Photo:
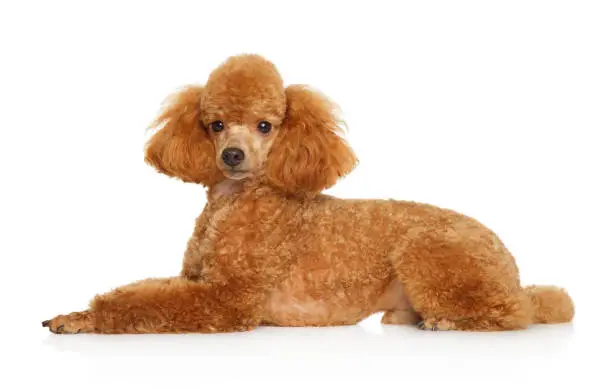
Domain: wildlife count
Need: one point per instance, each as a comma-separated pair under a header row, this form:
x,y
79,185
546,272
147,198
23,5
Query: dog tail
x,y
550,304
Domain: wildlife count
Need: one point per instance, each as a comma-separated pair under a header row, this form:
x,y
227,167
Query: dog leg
x,y
434,325
173,305
73,323
465,280
400,317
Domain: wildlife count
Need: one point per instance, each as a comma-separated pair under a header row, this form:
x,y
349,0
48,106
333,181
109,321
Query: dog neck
x,y
229,189
225,188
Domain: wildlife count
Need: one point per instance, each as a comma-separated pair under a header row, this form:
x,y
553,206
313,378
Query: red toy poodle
x,y
269,249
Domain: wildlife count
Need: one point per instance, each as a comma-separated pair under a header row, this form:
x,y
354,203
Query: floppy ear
x,y
182,148
309,154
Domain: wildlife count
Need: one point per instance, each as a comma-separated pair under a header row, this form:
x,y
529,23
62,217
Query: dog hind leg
x,y
466,284
401,317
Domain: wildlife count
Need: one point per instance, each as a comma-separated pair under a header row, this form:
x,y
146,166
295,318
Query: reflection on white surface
x,y
364,352
340,341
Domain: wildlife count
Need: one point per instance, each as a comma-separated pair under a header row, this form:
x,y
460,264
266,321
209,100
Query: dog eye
x,y
264,126
216,126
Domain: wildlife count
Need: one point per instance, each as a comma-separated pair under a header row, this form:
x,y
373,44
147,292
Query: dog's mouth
x,y
236,174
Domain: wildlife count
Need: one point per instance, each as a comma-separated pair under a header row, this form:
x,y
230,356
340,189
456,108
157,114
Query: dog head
x,y
245,124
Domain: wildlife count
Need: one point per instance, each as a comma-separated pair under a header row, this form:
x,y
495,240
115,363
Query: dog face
x,y
241,149
244,124
241,110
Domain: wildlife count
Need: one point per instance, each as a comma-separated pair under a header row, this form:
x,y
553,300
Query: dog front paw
x,y
73,323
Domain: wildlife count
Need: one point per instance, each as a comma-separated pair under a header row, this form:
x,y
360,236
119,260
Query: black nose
x,y
232,156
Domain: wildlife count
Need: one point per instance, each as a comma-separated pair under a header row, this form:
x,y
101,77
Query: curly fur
x,y
269,249
309,155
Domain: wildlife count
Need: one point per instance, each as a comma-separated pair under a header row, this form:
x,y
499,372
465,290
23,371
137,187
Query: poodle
x,y
270,249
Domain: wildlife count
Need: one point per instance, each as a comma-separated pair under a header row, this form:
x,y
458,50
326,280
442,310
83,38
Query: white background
x,y
500,110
